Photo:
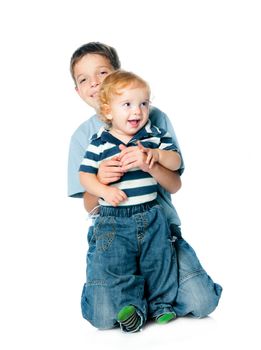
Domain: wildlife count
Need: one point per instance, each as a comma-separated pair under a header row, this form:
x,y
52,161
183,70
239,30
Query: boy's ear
x,y
78,91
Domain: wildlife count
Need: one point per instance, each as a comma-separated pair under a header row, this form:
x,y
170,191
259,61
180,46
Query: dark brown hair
x,y
95,48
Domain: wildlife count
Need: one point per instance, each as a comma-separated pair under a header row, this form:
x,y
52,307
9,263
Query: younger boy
x,y
139,238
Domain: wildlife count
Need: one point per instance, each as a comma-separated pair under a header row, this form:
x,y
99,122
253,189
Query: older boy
x,y
197,295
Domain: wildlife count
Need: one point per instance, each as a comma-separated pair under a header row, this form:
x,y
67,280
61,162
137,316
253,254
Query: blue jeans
x,y
131,261
197,294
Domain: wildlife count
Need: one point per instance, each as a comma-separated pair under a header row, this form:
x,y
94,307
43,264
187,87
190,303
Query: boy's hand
x,y
114,196
109,171
152,155
138,156
133,157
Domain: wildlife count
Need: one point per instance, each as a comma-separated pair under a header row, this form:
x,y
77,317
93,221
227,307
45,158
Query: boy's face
x,y
89,73
129,111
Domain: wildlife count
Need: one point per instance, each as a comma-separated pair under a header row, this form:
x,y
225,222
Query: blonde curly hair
x,y
112,85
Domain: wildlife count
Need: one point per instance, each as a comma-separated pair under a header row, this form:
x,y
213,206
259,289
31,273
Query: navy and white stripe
x,y
139,186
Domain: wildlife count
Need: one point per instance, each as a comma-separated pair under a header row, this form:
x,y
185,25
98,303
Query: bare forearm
x,y
169,159
168,179
110,194
90,201
91,184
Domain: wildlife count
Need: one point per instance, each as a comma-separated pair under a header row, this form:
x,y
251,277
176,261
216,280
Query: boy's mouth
x,y
134,122
95,94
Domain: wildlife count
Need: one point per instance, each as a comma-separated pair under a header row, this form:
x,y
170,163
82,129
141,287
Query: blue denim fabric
x,y
131,261
197,294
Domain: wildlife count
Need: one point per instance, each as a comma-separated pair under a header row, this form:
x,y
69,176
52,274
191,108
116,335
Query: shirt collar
x,y
105,135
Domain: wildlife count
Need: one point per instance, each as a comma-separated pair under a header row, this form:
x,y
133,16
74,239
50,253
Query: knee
x,y
100,314
205,299
203,307
198,296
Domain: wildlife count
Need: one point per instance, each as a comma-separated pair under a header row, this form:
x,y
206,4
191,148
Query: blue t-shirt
x,y
80,140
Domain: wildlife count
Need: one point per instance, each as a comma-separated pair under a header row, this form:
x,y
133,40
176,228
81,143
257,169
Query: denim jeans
x,y
197,294
131,261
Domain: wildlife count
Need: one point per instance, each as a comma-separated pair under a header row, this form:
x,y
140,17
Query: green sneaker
x,y
129,320
125,313
165,318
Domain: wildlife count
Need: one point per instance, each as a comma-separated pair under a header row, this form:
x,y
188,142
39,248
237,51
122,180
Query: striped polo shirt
x,y
139,186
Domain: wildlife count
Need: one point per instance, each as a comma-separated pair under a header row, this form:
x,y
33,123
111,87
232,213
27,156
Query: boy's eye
x,y
82,80
145,104
126,104
104,72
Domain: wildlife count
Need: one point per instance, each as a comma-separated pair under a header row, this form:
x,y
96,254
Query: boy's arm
x,y
163,166
167,158
109,171
91,184
90,201
77,150
112,195
168,179
138,156
161,120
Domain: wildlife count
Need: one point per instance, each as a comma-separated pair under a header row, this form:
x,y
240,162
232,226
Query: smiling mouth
x,y
94,95
134,122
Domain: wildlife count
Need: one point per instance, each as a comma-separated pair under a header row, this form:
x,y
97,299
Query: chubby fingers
x,y
122,147
149,159
141,147
125,150
119,197
110,171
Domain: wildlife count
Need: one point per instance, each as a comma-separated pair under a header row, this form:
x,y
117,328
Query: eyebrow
x,y
80,76
103,67
129,100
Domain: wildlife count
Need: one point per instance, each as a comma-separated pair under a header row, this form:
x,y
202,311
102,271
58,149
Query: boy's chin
x,y
93,104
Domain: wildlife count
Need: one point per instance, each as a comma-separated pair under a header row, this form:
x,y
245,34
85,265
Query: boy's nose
x,y
94,81
136,110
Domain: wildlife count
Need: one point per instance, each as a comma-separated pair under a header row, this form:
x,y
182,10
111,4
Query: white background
x,y
202,60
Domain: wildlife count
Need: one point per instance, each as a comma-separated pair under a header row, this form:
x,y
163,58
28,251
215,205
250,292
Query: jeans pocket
x,y
104,231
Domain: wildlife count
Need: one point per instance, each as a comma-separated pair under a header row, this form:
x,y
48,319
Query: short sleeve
x,y
79,142
90,162
161,120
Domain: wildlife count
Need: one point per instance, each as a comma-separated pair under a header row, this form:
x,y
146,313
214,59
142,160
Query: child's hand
x,y
138,156
133,157
109,171
114,196
152,155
